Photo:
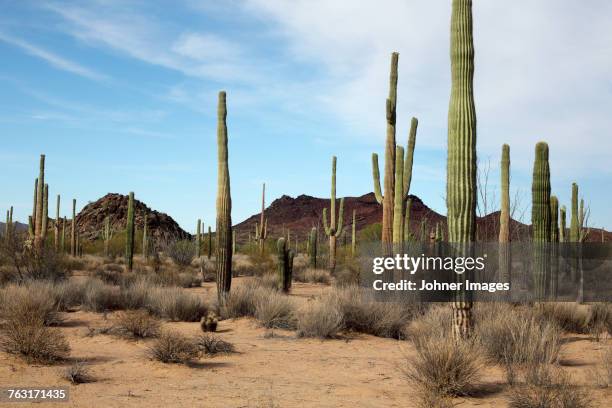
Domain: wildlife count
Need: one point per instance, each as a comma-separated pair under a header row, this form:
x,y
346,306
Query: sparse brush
x,y
269,281
99,297
176,304
436,321
138,324
601,374
181,252
241,300
444,367
311,275
211,345
274,310
33,301
78,373
173,347
319,318
346,277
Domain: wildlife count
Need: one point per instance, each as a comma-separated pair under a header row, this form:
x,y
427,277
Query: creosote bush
x,y
78,373
211,345
137,323
181,252
173,347
319,318
274,310
310,275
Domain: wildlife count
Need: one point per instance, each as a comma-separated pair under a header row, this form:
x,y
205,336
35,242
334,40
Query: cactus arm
x,y
332,217
414,123
398,205
326,226
376,179
340,217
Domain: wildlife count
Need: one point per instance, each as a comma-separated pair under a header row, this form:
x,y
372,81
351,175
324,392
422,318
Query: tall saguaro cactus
x,y
312,247
562,226
145,238
285,265
39,199
541,218
505,261
73,247
554,248
333,228
199,239
209,242
129,233
44,224
461,162
56,227
261,230
224,207
353,235
574,233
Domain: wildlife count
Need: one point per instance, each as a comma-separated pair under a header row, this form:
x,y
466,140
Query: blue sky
x,y
121,96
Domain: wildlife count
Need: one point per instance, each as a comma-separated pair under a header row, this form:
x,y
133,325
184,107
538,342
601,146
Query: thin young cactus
x,y
354,235
145,238
32,218
261,233
505,260
562,227
63,244
554,246
199,239
333,228
129,233
209,241
38,220
312,247
461,162
44,225
224,207
541,219
73,247
285,265
56,226
574,233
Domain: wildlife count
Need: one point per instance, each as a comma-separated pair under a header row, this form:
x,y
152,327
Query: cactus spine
x,y
199,239
541,218
145,242
505,260
312,247
224,207
285,265
353,236
129,233
461,163
73,247
56,229
261,233
333,229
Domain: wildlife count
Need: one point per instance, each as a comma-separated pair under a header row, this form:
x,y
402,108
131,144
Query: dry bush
x,y
346,277
516,337
173,347
319,318
274,310
176,304
262,264
571,317
242,265
99,297
437,321
27,336
110,273
211,345
548,387
68,294
181,252
22,264
311,275
137,323
241,300
78,373
362,313
136,294
602,376
33,300
444,367
268,281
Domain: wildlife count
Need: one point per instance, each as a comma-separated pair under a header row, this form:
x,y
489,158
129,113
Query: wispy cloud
x,y
53,59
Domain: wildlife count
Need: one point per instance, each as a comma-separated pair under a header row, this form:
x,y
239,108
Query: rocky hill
x,y
90,221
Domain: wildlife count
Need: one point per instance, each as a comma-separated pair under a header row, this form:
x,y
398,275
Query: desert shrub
x,y
137,323
78,373
68,294
602,375
435,321
263,263
443,366
99,297
176,304
109,273
571,317
311,275
362,313
516,338
28,337
346,277
319,318
23,264
136,294
268,281
189,280
173,347
241,300
242,265
211,345
181,252
274,310
33,300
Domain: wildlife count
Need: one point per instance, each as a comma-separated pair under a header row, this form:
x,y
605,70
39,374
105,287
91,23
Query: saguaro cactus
x,y
209,242
562,227
261,231
107,234
574,233
44,224
505,260
285,265
333,228
312,247
145,238
8,227
554,246
353,235
32,218
73,247
64,221
198,239
129,233
56,227
39,200
461,163
541,219
224,207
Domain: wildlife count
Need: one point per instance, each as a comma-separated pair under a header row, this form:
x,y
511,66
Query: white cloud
x,y
53,59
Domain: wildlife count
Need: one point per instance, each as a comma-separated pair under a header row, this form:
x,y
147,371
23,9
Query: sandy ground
x,y
277,371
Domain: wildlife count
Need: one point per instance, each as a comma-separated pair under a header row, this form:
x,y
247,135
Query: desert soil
x,y
271,369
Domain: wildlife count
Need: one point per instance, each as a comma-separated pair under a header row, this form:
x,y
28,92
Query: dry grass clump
x,y
319,318
27,336
346,277
241,300
137,324
110,273
242,265
181,252
583,319
175,304
211,345
32,301
435,321
99,297
78,373
444,367
268,281
516,338
311,275
602,376
274,310
173,347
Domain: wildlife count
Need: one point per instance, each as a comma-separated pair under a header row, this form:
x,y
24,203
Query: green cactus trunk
x,y
398,198
209,242
56,226
64,221
554,246
38,219
107,235
45,217
224,208
145,242
130,233
333,228
32,218
73,247
461,164
562,227
407,232
353,236
312,248
198,239
505,257
574,233
541,220
285,265
233,242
